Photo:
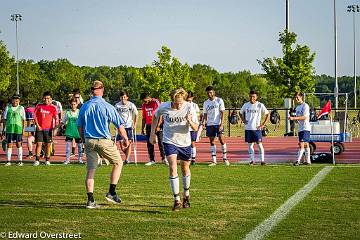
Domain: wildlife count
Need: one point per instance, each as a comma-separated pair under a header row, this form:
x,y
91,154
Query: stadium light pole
x,y
336,89
287,100
354,9
17,17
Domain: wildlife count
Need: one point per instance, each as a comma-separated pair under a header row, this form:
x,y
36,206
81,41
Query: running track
x,y
277,150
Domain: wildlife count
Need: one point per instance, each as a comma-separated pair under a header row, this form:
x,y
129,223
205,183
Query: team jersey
x,y
303,110
195,113
149,109
127,113
176,128
213,110
252,114
14,117
45,115
70,120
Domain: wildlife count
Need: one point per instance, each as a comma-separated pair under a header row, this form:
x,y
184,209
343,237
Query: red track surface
x,y
277,150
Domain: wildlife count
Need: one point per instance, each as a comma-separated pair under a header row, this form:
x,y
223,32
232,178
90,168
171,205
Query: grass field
x,y
226,202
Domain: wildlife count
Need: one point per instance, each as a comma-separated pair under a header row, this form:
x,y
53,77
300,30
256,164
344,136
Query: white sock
x,y
213,153
193,153
68,150
251,151
300,154
174,184
8,154
224,150
20,154
307,155
80,146
186,184
261,152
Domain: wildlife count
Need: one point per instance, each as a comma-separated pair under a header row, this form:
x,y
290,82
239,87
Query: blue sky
x,y
229,35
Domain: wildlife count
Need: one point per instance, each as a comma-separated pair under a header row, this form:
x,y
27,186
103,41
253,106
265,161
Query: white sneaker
x,y
150,163
47,163
20,164
36,163
165,161
212,164
81,161
8,164
226,162
66,162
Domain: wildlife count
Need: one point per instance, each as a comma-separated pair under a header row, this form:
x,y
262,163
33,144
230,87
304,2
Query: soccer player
x,y
148,109
303,118
213,116
46,118
250,114
129,114
93,124
177,142
14,119
193,134
71,130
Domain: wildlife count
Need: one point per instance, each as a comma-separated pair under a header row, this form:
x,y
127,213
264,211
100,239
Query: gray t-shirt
x,y
175,128
303,110
127,113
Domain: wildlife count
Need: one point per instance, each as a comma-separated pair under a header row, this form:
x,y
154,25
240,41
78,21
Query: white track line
x,y
266,226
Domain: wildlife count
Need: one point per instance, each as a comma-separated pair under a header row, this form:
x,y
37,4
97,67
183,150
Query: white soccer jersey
x,y
253,113
176,127
127,113
303,110
212,108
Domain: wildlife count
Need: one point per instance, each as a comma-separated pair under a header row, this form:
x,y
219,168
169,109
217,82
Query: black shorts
x,y
13,137
69,139
43,136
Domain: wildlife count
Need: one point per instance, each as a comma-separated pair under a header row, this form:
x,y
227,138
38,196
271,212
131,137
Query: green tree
x,y
6,62
294,71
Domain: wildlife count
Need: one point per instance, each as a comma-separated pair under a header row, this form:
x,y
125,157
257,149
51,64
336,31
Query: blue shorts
x,y
129,134
193,136
304,136
253,136
214,131
183,153
13,137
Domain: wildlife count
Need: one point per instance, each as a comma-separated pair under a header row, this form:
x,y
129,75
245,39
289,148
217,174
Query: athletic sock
x,y
186,184
193,153
20,154
67,150
174,184
261,152
213,153
37,158
300,154
251,151
112,189
307,155
90,196
72,149
8,154
224,151
80,147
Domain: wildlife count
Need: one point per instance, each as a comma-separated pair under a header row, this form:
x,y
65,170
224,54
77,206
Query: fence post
x,y
229,125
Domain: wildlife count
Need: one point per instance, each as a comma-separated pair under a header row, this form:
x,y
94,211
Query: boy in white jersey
x,y
129,114
250,114
193,134
177,119
303,118
213,115
14,120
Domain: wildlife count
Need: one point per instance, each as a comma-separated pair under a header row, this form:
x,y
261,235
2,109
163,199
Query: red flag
x,y
326,109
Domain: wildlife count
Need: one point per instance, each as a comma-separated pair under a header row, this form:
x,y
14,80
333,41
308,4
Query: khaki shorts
x,y
95,149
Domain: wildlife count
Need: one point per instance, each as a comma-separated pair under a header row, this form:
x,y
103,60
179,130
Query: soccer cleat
x,y
126,162
193,162
150,163
307,163
226,162
186,202
177,205
296,163
91,205
165,161
81,161
8,164
252,163
36,163
263,163
113,198
30,156
47,163
212,164
20,164
67,162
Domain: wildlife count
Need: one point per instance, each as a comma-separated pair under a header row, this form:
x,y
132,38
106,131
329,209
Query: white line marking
x,y
266,226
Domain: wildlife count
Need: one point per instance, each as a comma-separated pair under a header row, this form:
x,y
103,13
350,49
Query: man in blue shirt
x,y
93,125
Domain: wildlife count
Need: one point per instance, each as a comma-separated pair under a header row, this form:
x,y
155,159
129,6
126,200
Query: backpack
x,y
313,117
234,117
274,117
264,131
322,158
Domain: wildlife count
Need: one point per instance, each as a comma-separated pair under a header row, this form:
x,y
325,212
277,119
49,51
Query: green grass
x,y
226,202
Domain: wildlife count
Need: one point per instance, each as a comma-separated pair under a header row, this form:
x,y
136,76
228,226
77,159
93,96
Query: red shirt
x,y
148,110
45,115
